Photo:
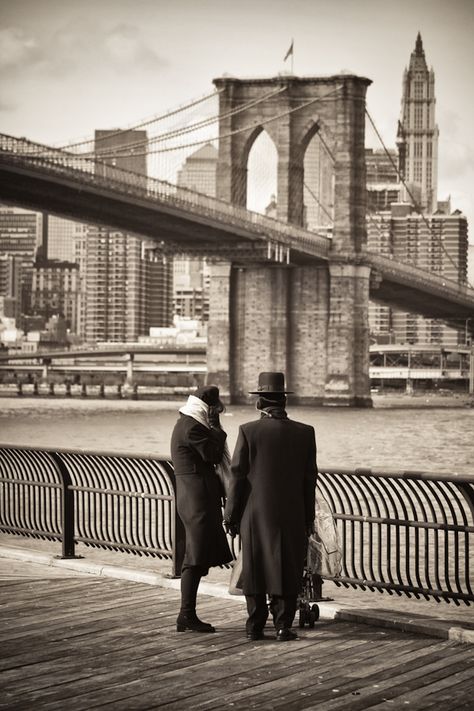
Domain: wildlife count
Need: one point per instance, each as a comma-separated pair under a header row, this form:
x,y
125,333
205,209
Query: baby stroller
x,y
323,558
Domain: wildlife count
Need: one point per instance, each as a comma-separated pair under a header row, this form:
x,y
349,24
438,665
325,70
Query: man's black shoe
x,y
285,635
254,636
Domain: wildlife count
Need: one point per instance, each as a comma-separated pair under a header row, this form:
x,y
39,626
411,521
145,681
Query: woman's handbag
x,y
235,584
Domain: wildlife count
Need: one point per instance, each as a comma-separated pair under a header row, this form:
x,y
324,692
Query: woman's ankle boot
x,y
191,623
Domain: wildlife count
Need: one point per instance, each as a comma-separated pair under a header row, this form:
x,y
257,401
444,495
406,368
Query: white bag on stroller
x,y
324,547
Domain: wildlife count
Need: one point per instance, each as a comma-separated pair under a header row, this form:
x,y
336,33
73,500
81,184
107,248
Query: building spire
x,y
419,45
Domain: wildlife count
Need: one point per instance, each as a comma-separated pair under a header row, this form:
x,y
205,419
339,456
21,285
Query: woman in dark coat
x,y
198,444
271,497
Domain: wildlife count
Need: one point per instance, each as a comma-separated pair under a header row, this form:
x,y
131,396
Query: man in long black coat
x,y
271,498
198,444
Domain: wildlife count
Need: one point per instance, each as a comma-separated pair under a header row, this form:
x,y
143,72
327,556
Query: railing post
x,y
67,509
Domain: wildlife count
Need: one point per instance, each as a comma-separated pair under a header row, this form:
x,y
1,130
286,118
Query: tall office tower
x,y
190,275
437,243
127,280
20,236
318,191
418,133
56,291
10,287
128,286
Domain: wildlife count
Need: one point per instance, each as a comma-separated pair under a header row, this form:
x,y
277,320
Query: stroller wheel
x,y
303,616
314,614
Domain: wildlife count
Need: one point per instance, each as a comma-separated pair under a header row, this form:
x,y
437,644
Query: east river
x,y
414,437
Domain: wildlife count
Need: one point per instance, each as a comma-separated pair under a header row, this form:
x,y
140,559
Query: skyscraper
x,y
191,275
127,280
418,133
418,230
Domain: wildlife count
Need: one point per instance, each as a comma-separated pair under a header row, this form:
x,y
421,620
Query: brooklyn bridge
x,y
282,297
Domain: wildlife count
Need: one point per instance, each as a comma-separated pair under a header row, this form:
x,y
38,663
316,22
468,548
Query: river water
x,y
415,437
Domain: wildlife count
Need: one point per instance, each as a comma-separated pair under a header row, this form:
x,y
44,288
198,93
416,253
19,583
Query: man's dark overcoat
x,y
195,449
272,495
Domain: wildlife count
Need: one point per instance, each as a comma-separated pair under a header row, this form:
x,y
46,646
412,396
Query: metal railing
x,y
115,502
407,533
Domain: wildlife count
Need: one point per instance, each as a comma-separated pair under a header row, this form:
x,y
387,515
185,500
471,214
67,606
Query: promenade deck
x,y
74,641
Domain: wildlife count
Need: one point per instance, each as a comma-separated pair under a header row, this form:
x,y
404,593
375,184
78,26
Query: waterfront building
x,y
20,236
437,243
56,291
418,133
10,287
190,274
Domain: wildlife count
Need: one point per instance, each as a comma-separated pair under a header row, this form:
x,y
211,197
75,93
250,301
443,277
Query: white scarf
x,y
199,411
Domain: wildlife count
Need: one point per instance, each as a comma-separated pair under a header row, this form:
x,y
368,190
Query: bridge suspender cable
x,y
119,150
146,122
244,128
319,202
415,203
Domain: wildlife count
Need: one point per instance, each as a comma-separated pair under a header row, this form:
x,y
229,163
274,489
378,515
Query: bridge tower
x,y
310,321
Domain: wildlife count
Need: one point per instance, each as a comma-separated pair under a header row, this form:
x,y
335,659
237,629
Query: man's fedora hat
x,y
271,383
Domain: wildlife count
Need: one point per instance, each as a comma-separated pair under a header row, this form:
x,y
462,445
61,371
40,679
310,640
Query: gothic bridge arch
x,y
310,321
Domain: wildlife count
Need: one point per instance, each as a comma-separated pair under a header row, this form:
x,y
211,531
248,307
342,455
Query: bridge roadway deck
x,y
79,641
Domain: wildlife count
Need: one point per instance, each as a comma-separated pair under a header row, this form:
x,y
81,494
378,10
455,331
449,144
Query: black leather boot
x,y
192,623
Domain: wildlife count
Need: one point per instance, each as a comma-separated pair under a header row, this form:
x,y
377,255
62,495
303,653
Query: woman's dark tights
x,y
190,578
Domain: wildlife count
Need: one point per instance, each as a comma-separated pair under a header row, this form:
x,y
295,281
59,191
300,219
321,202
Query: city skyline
x,y
112,68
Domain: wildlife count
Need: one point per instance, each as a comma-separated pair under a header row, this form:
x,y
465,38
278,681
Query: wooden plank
x,y
119,649
170,684
393,682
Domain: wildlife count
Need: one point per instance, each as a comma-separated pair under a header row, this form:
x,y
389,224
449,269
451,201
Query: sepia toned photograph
x,y
236,355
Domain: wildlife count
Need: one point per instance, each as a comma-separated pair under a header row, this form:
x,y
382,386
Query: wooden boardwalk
x,y
80,642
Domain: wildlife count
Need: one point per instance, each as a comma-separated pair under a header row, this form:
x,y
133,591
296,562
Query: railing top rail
x,y
455,477
357,471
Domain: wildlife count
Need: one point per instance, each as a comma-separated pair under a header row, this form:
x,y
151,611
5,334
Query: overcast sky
x,y
70,66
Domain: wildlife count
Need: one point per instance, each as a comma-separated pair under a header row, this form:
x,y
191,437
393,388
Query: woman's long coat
x,y
272,495
195,450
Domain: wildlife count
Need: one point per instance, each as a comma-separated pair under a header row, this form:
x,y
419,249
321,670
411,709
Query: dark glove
x,y
232,529
309,529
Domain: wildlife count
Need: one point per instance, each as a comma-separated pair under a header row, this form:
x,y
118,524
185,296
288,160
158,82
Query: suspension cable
x,y
118,150
319,203
147,122
243,129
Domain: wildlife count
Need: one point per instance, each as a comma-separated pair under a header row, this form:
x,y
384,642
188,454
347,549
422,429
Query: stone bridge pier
x,y
309,320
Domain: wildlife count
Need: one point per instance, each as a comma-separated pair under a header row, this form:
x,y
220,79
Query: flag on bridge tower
x,y
290,54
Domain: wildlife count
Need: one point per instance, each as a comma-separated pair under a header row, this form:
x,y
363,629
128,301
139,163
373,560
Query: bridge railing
x,y
101,174
406,533
437,282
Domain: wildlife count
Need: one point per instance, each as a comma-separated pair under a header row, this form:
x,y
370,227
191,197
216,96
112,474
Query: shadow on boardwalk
x,y
75,641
